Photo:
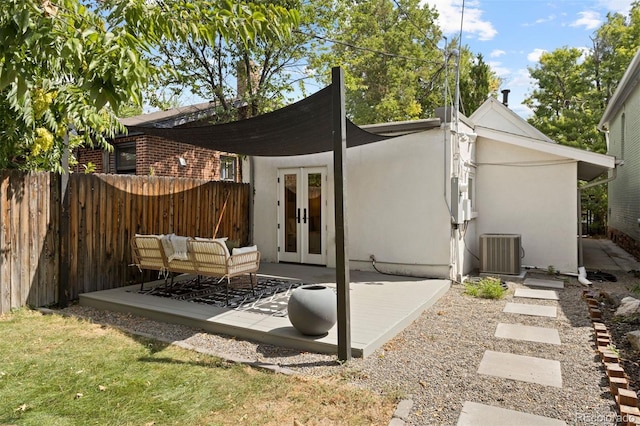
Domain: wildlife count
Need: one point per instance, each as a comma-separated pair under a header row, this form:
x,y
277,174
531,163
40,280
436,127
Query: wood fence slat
x,y
84,242
33,288
111,207
24,253
75,208
104,213
52,275
5,244
14,283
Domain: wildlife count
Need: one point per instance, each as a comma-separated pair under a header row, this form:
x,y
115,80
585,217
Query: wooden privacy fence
x,y
51,254
29,241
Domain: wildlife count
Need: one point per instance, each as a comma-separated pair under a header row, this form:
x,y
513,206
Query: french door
x,y
302,215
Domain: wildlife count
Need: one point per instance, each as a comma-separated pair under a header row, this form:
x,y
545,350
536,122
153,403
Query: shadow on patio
x,y
381,307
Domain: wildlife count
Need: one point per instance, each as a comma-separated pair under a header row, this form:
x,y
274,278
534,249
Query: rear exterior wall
x,y
157,156
533,194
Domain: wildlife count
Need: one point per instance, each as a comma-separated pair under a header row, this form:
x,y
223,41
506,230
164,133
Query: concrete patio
x,y
381,306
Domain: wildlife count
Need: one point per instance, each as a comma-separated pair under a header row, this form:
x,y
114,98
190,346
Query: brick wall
x,y
624,241
160,157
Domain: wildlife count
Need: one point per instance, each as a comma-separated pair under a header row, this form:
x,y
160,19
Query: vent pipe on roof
x,y
505,97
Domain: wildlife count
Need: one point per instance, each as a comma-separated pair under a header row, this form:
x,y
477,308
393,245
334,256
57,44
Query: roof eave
x,y
590,164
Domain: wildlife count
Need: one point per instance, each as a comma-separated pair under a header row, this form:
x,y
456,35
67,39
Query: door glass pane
x,y
290,210
314,211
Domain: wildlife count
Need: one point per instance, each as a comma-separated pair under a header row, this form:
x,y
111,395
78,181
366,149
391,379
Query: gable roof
x,y
625,87
172,117
493,114
495,121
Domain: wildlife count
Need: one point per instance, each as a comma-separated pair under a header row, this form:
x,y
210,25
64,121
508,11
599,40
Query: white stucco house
x,y
421,203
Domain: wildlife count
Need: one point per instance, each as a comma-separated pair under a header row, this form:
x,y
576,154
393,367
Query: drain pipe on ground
x,y
582,272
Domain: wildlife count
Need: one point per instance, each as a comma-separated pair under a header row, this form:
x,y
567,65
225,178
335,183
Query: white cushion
x,y
242,250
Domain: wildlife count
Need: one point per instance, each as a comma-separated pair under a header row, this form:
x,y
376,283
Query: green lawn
x,y
64,371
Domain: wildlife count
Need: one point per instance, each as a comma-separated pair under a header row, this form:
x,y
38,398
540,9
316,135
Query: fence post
x,y
63,229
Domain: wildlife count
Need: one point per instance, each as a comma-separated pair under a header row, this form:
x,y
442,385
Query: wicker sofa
x,y
198,256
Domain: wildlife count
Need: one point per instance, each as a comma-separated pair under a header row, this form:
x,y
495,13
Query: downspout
x,y
582,272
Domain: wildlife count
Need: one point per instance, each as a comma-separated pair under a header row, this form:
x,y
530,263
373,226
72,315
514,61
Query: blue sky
x,y
511,34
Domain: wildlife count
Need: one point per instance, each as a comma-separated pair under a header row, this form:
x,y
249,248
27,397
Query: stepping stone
x,y
536,282
522,368
474,414
528,333
536,294
529,309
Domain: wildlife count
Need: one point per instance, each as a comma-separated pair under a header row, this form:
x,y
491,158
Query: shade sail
x,y
304,127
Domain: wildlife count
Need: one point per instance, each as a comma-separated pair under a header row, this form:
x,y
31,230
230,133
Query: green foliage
x,y
477,84
594,199
614,349
394,69
565,106
89,168
574,85
232,72
66,70
486,288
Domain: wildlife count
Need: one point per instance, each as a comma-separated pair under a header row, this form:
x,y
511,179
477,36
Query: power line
x,y
366,49
406,14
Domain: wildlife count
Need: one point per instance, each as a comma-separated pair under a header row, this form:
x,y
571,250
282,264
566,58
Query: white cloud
x,y
496,53
521,78
522,110
621,6
547,19
500,70
540,21
449,20
535,55
589,19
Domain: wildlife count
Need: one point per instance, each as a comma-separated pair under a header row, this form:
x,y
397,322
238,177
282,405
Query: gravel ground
x,y
434,361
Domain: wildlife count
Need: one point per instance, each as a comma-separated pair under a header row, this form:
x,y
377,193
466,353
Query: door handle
x,y
298,216
305,216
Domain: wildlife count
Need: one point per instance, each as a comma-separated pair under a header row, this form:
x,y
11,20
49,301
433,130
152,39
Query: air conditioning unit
x,y
500,254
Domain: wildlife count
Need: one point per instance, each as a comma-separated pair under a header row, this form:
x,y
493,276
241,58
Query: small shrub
x,y
486,288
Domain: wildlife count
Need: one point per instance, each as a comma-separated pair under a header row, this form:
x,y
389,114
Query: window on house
x,y
227,168
126,158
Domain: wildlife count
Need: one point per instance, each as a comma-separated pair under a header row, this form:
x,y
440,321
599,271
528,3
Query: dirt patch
x,y
611,293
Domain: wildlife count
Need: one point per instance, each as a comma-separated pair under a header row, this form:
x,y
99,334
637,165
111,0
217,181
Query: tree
x,y
393,67
66,69
573,86
252,79
477,84
563,101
